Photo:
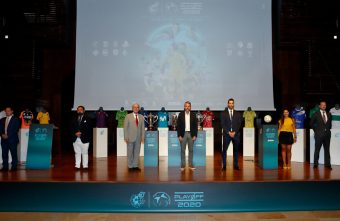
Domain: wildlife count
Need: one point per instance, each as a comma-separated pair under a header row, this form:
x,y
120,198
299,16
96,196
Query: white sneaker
x,y
192,168
182,169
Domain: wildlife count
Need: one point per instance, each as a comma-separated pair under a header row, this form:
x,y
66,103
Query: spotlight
x,y
335,37
6,36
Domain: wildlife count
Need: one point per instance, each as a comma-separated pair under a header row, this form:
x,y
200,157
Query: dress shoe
x,y
136,169
315,166
4,169
192,168
14,169
329,167
224,168
236,168
182,169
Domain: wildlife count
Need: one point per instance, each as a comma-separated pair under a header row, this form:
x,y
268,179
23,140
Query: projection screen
x,y
161,53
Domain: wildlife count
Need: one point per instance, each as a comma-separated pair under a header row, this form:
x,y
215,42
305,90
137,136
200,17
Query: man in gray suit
x,y
321,123
134,135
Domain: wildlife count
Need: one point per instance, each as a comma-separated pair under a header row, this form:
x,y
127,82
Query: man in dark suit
x,y
9,128
321,123
231,121
81,129
187,133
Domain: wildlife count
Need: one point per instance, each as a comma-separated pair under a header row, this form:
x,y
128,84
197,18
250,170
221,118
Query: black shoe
x,y
131,169
315,166
136,169
224,168
329,167
236,168
4,169
14,169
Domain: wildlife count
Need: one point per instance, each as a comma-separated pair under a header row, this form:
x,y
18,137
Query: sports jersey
x,y
2,114
249,118
43,118
335,118
26,119
101,119
208,118
313,111
145,117
163,119
120,116
299,115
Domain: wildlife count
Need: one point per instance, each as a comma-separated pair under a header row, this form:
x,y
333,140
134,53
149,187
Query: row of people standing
x,y
321,123
9,128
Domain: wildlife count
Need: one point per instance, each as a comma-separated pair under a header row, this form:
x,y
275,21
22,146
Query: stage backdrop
x,y
161,53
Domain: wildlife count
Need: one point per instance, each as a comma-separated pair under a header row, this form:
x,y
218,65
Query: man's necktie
x,y
6,124
324,117
136,120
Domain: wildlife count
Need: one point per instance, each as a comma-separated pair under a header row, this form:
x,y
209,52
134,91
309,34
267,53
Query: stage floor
x,y
114,169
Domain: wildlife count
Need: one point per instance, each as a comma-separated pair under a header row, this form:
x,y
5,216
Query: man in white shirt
x,y
187,133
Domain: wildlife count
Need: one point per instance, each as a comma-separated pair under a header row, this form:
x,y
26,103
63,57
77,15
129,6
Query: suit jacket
x,y
131,130
227,124
12,129
84,127
181,124
319,126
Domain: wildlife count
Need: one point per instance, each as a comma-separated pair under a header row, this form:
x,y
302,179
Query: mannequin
x,y
335,111
26,117
163,118
299,115
249,116
120,116
208,117
101,117
143,112
313,110
43,116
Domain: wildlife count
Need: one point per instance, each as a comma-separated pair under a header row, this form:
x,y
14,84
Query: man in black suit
x,y
9,128
231,121
321,123
187,133
81,129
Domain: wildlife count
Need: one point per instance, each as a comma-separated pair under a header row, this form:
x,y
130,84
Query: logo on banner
x,y
40,134
137,200
189,199
161,199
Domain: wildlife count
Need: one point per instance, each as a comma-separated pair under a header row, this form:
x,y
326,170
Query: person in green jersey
x,y
120,116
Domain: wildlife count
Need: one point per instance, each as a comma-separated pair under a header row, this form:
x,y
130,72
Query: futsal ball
x,y
267,118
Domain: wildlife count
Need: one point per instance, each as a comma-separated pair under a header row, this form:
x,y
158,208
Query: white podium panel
x,y
209,139
23,144
121,145
248,142
299,148
163,141
9,155
100,142
312,149
335,147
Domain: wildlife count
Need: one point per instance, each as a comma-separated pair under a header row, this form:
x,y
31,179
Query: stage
x,y
108,186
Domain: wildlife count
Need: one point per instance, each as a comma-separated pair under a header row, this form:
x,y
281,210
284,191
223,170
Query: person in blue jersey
x,y
299,116
163,118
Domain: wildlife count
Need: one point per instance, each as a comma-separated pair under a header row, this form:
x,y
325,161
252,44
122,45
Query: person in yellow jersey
x,y
287,136
43,117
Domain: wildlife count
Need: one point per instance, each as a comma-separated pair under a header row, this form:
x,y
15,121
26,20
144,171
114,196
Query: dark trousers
x,y
324,140
226,141
6,147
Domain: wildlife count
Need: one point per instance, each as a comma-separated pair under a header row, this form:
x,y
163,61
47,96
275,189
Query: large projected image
x,y
162,53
